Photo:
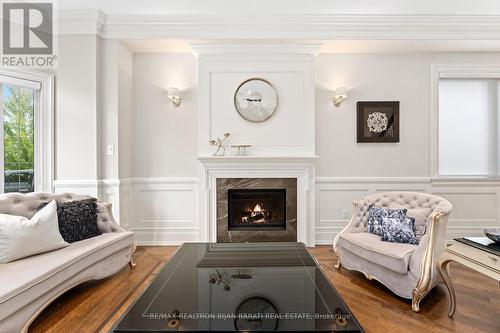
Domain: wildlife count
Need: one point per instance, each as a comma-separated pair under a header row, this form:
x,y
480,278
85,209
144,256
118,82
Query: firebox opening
x,y
257,209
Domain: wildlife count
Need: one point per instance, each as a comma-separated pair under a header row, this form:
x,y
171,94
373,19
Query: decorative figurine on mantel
x,y
242,149
221,148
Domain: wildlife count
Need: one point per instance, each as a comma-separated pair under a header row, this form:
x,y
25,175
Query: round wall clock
x,y
256,100
256,314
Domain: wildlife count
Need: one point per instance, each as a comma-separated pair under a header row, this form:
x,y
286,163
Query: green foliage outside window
x,y
18,117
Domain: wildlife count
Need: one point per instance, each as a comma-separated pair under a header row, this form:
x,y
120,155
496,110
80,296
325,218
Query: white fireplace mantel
x,y
281,147
299,167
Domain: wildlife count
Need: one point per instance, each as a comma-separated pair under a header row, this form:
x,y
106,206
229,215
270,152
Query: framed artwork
x,y
256,100
377,121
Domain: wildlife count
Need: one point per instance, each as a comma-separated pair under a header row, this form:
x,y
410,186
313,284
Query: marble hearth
x,y
225,235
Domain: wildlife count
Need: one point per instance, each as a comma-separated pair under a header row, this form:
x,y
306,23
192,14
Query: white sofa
x,y
28,285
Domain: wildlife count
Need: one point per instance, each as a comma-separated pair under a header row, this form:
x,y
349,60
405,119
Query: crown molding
x,y
466,70
78,22
303,26
316,27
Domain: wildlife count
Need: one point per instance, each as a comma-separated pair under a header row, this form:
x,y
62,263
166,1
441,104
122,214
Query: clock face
x,y
256,314
256,100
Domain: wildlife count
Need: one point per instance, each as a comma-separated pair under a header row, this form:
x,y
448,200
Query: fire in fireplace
x,y
257,209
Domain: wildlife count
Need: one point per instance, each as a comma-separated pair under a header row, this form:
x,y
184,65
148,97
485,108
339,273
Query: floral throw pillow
x,y
399,230
377,214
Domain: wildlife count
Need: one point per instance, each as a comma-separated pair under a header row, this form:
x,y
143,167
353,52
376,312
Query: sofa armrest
x,y
350,227
105,219
424,259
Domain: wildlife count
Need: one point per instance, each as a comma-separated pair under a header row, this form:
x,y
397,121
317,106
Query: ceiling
x,y
265,7
354,26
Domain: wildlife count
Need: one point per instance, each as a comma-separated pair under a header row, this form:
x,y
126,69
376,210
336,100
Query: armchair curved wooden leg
x,y
415,300
443,271
131,263
338,264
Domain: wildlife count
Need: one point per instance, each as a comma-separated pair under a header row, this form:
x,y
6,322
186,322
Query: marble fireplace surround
x,y
300,169
224,235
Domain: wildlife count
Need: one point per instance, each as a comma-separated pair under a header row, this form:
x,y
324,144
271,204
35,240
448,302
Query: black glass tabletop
x,y
240,287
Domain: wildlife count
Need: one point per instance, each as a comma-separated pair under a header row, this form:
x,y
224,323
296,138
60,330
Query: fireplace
x,y
257,209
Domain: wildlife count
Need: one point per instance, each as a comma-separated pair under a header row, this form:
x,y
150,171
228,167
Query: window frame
x,y
454,71
44,126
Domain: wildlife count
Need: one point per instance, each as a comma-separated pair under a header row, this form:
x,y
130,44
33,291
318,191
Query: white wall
x,y
158,143
108,122
288,132
377,77
117,110
347,170
77,107
372,77
158,125
164,136
125,110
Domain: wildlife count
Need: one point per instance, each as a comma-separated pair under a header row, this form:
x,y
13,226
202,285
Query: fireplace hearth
x,y
257,209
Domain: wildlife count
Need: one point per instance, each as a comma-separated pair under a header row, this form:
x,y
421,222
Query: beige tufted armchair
x,y
409,271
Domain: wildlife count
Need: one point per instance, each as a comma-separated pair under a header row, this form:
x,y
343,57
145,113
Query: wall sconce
x,y
339,95
174,95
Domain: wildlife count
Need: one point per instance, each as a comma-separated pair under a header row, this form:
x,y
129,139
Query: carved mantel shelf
x,y
222,160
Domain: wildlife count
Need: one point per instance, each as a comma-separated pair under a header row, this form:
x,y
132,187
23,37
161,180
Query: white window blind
x,y
468,127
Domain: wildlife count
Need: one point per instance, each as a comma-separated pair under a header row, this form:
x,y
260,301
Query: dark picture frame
x,y
377,121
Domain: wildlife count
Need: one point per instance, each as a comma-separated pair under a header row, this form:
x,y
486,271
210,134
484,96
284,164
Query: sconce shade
x,y
339,95
341,92
174,95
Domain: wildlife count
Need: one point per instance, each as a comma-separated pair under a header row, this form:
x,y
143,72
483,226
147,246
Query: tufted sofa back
x,y
408,200
28,204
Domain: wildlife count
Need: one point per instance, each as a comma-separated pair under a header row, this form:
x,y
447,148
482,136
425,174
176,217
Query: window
x,y
19,104
468,127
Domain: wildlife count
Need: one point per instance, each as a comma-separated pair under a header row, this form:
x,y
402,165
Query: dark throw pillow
x,y
399,230
377,214
77,219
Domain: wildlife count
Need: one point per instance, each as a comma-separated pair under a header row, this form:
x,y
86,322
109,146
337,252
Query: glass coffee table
x,y
240,287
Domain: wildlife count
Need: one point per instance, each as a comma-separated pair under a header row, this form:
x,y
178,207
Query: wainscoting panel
x,y
168,208
124,200
79,186
109,190
475,207
161,211
165,210
333,208
475,203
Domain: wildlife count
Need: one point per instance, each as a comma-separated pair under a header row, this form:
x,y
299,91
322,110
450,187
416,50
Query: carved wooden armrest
x,y
435,245
118,227
109,208
355,204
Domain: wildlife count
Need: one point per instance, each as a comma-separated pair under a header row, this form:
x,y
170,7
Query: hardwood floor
x,y
96,306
